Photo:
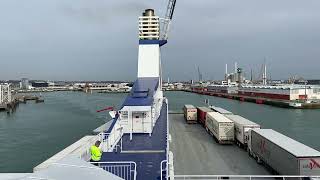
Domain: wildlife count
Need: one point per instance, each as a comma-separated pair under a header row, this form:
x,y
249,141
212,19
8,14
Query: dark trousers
x,y
94,162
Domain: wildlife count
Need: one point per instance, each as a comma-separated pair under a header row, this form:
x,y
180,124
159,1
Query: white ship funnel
x,y
149,64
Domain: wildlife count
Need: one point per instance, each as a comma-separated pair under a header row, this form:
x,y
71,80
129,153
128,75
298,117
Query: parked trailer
x,y
202,114
283,154
241,128
220,110
220,127
190,113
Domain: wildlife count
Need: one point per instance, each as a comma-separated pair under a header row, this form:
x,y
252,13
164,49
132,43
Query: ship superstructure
x,y
138,135
140,129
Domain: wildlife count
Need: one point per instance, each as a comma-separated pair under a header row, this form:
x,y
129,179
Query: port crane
x,y
167,19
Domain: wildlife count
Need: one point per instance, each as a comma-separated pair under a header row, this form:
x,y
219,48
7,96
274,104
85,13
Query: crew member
x,y
95,153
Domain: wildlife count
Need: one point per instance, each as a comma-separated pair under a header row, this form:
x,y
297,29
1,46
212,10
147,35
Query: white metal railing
x,y
162,169
168,143
126,169
245,177
103,138
109,141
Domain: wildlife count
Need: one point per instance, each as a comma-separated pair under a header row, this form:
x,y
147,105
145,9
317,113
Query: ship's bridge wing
x,y
142,92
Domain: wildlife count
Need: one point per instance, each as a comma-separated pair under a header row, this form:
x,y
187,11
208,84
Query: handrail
x,y
161,168
168,143
103,138
119,163
116,134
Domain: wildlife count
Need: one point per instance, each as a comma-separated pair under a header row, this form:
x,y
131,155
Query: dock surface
x,y
196,152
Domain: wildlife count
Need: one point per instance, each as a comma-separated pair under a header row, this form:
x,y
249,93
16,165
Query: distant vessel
x,y
295,104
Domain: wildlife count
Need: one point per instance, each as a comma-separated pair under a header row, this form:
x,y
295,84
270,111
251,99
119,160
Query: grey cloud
x,y
101,11
97,39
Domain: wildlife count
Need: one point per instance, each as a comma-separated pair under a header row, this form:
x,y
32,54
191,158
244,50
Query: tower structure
x,y
149,62
264,75
226,73
5,94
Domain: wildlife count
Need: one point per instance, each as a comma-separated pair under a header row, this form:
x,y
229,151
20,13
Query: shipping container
x,y
220,110
241,128
220,127
283,154
190,113
202,114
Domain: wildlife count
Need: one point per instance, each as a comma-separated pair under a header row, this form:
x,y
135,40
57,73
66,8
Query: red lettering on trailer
x,y
264,149
262,146
313,164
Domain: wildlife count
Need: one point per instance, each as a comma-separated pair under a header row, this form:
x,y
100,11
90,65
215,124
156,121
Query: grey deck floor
x,y
197,153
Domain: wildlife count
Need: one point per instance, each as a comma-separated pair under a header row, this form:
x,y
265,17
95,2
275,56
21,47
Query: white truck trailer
x,y
241,128
220,127
283,154
190,113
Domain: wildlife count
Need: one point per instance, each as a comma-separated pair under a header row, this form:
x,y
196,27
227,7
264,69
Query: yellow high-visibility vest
x,y
95,153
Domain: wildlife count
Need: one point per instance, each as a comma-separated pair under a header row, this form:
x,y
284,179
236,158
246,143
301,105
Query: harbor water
x,y
35,132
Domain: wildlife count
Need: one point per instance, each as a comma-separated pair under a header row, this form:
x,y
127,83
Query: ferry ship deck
x,y
147,151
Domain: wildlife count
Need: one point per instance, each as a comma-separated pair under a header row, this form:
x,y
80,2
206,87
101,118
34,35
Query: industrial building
x,y
40,84
280,92
5,94
230,89
24,84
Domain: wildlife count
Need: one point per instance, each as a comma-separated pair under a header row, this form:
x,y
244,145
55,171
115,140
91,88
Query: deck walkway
x,y
195,152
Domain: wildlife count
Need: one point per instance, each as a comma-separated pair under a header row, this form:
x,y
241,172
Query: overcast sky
x,y
97,39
